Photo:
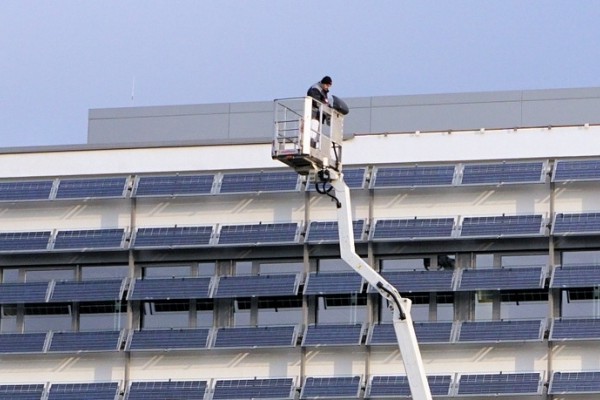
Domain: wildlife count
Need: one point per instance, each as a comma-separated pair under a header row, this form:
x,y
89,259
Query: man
x,y
319,91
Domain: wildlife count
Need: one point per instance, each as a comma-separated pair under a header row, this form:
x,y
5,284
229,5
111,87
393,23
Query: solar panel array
x,y
168,339
174,185
87,291
236,389
576,170
327,231
580,223
256,286
399,177
21,392
24,241
23,293
160,390
89,239
25,190
169,289
333,283
502,225
502,278
92,187
172,237
499,384
88,391
575,382
244,337
85,341
407,229
502,173
575,276
260,182
282,233
22,342
333,335
332,387
500,331
397,386
575,329
427,332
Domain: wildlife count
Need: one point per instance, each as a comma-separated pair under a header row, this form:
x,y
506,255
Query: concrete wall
x,y
253,121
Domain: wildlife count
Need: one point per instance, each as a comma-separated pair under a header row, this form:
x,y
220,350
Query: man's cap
x,y
326,80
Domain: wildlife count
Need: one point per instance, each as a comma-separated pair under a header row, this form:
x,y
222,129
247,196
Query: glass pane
x,y
106,322
10,275
48,275
168,271
43,323
105,272
525,260
283,267
581,257
405,264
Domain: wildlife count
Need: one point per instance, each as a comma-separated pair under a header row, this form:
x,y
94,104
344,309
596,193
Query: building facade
x,y
205,270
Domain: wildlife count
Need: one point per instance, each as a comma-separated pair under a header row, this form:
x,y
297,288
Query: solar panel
x,y
284,233
22,342
21,392
89,239
397,386
261,337
419,281
24,241
575,276
427,332
581,223
503,173
575,329
236,389
502,279
575,382
168,339
502,225
173,185
576,170
160,390
169,289
91,188
256,286
333,335
333,283
334,387
500,331
422,176
85,341
171,237
408,229
25,190
327,231
88,391
87,291
502,384
354,178
23,293
260,182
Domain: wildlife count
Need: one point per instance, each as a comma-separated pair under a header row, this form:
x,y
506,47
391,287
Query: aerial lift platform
x,y
308,138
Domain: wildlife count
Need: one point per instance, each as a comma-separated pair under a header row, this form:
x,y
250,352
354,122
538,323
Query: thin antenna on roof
x,y
132,88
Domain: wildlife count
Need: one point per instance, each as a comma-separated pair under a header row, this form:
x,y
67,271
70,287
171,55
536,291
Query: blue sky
x,y
58,59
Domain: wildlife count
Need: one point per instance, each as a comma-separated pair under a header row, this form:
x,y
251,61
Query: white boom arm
x,y
403,325
308,144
